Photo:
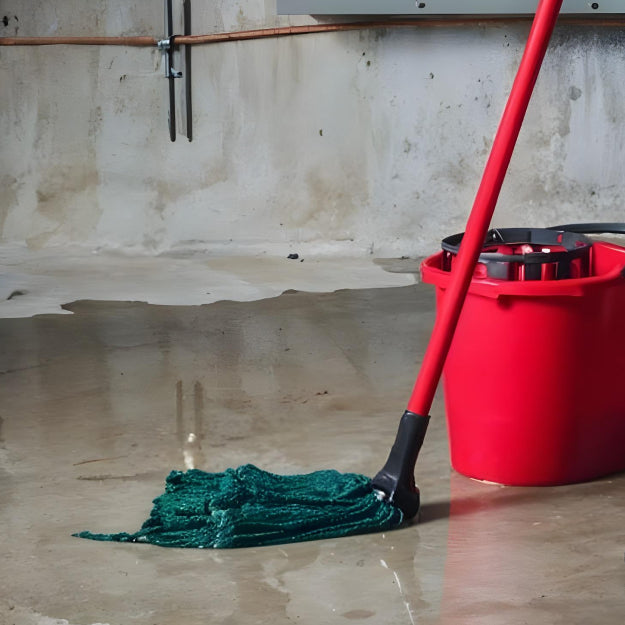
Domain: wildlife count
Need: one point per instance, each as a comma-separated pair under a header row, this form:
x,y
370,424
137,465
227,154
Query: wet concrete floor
x,y
97,407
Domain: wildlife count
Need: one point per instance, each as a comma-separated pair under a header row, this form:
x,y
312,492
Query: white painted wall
x,y
347,143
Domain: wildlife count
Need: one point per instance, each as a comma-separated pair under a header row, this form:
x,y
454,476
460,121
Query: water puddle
x,y
97,407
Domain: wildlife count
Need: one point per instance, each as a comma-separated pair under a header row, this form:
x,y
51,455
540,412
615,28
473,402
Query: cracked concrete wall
x,y
350,143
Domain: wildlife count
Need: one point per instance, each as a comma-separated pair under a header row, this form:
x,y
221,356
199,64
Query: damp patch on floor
x,y
42,281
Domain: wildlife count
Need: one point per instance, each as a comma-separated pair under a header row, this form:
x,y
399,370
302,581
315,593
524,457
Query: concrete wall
x,y
361,142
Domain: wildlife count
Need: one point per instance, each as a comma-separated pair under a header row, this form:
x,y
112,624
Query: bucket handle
x,y
606,227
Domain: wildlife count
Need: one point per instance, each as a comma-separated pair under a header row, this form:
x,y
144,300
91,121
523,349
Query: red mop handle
x,y
484,207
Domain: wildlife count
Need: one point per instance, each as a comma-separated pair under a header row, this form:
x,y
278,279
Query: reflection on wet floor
x,y
190,434
97,407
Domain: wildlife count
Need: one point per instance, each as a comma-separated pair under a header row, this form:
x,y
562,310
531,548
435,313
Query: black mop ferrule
x,y
396,480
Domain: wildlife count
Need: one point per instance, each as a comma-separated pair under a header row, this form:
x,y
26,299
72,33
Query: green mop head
x,y
248,507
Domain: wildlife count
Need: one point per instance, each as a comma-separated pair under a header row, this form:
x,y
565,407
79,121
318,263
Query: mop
x,y
247,506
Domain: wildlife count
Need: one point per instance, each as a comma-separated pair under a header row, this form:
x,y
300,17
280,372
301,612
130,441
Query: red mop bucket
x,y
534,379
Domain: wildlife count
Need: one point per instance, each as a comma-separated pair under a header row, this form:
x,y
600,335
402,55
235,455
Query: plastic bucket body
x,y
534,380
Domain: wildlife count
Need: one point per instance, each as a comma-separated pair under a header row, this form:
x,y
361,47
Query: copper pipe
x,y
78,41
285,31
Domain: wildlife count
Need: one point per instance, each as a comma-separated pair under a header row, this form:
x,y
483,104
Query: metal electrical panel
x,y
441,7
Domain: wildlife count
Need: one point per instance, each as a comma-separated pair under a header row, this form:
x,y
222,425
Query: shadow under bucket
x,y
534,379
